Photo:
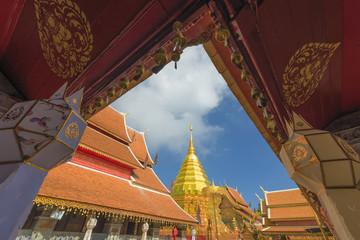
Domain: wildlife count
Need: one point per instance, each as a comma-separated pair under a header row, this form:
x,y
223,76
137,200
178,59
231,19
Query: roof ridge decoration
x,y
148,159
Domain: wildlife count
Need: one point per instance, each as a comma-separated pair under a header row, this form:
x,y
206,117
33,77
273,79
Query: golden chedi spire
x,y
191,178
191,149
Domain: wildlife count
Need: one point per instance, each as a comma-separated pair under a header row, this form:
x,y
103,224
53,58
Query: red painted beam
x,y
10,13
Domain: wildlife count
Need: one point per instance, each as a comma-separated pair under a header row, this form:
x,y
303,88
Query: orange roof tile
x,y
112,122
286,229
285,197
138,146
235,196
149,179
105,145
74,183
295,212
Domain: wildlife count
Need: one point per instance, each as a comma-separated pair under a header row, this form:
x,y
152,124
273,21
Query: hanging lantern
x,y
327,166
42,133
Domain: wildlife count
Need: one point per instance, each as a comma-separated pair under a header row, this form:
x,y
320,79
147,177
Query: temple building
x,y
111,179
221,211
287,215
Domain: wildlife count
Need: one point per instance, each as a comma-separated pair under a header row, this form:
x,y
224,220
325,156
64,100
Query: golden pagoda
x,y
209,204
188,192
191,179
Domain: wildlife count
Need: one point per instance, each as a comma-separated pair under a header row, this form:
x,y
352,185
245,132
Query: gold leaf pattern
x,y
56,202
305,70
72,131
65,37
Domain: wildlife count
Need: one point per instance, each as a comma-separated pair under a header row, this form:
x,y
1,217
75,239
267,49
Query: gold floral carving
x,y
72,131
305,70
65,36
77,206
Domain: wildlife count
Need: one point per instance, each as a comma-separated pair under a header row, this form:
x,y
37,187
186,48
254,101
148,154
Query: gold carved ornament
x,y
305,70
65,36
300,153
72,131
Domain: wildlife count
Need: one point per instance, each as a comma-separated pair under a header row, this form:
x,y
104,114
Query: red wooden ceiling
x,y
283,27
119,29
124,31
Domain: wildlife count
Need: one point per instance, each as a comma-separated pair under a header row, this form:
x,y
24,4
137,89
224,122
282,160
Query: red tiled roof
x,y
235,196
286,197
138,146
294,212
112,122
74,183
286,229
102,144
148,178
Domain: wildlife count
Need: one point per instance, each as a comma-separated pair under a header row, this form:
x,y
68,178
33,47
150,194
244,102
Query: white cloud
x,y
166,103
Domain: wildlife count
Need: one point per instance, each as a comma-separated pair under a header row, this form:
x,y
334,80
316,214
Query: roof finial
x,y
262,189
191,145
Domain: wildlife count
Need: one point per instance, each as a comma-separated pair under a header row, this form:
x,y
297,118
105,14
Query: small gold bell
x,y
111,92
99,102
268,115
139,71
175,56
160,57
124,83
271,124
236,59
222,34
88,109
245,75
255,93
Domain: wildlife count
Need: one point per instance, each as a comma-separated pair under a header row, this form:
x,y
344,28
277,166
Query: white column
x,y
144,228
90,225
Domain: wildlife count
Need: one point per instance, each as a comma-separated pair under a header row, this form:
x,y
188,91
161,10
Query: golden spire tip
x,y
191,145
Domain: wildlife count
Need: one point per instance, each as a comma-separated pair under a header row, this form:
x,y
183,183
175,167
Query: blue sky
x,y
227,143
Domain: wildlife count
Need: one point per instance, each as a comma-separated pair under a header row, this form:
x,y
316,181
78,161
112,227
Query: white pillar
x,y
144,228
90,225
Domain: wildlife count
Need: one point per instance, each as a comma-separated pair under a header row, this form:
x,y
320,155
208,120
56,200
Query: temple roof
x,y
191,178
138,146
99,143
111,122
90,188
287,205
284,197
234,196
294,229
293,212
148,179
